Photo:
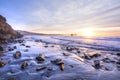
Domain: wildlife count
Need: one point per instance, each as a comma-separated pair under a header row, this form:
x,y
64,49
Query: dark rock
x,y
10,49
97,64
56,61
78,51
69,49
22,45
59,62
65,54
50,68
40,58
24,65
87,57
118,62
27,46
40,68
118,54
62,66
45,46
1,48
52,46
95,55
14,47
2,63
106,60
17,54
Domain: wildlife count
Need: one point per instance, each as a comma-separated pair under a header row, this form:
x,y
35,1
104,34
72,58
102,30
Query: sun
x,y
88,33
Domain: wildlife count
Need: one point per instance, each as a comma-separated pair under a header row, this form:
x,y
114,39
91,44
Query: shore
x,y
44,57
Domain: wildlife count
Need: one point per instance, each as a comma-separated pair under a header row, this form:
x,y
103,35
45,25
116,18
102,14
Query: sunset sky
x,y
102,17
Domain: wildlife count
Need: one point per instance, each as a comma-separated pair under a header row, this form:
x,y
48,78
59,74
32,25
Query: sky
x,y
63,16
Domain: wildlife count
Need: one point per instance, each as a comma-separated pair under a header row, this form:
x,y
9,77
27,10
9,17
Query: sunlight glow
x,y
89,32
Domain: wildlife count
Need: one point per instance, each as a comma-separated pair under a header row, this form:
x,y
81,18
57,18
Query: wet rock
x,y
59,62
27,46
45,46
52,46
2,63
118,54
62,66
50,68
22,45
118,62
97,64
15,47
40,58
17,54
65,54
106,60
95,55
56,61
20,41
10,49
40,68
24,65
78,51
69,49
1,48
87,57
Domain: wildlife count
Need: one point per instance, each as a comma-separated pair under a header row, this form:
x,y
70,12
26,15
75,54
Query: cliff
x,y
6,31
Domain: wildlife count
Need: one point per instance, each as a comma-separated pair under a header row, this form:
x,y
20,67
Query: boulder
x,y
2,63
17,54
97,64
24,65
40,58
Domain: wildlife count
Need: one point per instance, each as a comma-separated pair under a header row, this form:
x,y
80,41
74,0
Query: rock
x,y
97,64
106,60
14,47
40,68
1,48
69,49
22,45
118,54
2,63
10,49
65,54
62,66
17,54
45,46
118,62
78,51
57,61
87,57
24,65
27,46
40,58
50,68
95,55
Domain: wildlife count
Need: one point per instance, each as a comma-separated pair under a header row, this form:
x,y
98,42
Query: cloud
x,y
62,15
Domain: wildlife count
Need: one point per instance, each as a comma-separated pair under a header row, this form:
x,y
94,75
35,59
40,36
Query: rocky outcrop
x,y
6,31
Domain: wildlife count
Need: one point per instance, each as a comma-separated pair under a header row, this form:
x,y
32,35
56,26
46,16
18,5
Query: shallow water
x,y
52,47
